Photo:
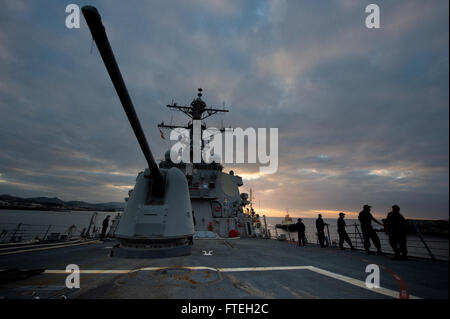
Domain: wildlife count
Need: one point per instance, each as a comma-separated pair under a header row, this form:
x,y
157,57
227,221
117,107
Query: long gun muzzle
x,y
97,29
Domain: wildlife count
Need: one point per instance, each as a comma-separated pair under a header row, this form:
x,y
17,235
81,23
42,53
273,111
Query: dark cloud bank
x,y
363,115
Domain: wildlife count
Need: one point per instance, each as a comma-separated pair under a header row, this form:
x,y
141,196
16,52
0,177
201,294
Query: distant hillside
x,y
14,202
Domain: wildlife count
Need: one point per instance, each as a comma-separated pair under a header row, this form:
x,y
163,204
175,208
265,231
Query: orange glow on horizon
x,y
274,212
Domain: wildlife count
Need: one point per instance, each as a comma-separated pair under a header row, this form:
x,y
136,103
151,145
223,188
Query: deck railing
x,y
23,232
420,246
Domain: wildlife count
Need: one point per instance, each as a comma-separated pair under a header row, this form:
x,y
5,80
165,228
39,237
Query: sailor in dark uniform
x,y
105,225
366,218
395,226
343,236
320,225
301,232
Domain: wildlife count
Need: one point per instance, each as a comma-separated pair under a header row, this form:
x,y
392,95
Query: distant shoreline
x,y
355,218
55,204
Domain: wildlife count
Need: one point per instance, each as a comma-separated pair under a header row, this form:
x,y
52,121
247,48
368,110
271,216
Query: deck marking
x,y
37,245
98,272
263,268
346,279
125,271
46,248
403,290
404,293
359,283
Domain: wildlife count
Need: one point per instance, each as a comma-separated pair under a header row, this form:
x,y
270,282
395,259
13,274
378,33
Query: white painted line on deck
x,y
46,248
358,283
263,268
97,272
346,279
126,271
39,245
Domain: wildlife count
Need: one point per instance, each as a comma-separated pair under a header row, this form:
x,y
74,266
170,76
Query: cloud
x,y
362,114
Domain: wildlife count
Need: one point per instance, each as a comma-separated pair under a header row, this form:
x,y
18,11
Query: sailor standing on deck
x,y
365,218
301,232
320,225
105,225
396,229
343,236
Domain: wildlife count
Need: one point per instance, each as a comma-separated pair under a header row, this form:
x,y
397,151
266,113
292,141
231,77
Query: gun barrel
x,y
97,29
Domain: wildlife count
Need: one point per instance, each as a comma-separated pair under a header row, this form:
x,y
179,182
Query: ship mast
x,y
195,111
198,110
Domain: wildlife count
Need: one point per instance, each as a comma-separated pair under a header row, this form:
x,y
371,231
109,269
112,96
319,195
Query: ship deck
x,y
223,268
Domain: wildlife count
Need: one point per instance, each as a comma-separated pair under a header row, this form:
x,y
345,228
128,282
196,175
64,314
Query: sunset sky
x,y
362,114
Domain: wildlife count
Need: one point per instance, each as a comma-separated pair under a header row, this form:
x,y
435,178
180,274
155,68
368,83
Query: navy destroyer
x,y
156,251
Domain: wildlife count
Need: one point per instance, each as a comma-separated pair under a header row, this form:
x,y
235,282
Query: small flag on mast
x,y
162,134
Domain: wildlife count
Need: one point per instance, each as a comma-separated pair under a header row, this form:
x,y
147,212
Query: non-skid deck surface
x,y
240,268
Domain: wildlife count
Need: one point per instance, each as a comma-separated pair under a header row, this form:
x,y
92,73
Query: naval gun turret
x,y
157,221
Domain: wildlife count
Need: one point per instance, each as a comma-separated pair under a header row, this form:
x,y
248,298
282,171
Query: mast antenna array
x,y
197,110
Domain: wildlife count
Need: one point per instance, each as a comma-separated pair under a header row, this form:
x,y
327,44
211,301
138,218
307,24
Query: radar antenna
x,y
197,110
